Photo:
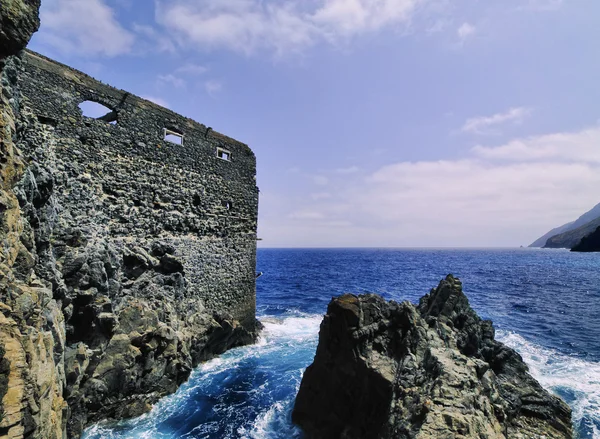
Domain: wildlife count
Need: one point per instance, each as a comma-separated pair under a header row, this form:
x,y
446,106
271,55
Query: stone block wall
x,y
123,181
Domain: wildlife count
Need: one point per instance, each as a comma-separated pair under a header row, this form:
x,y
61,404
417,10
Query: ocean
x,y
544,303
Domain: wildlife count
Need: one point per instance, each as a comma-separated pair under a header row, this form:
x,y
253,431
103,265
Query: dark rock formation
x,y
573,237
584,219
589,243
120,269
393,370
19,20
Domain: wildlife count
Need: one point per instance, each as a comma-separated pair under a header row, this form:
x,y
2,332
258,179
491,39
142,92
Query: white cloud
x,y
485,124
465,31
152,40
321,196
191,69
544,5
484,198
249,25
503,195
172,79
213,87
306,215
349,170
580,147
320,180
86,28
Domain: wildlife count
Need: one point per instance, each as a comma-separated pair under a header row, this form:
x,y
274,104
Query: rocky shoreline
x,y
395,370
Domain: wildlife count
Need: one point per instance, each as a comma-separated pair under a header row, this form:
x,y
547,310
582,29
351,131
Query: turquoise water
x,y
544,303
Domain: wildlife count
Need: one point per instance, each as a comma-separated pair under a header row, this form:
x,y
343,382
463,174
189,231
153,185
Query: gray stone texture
x,y
393,370
121,268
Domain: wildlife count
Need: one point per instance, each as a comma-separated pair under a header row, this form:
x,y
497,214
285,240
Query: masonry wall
x,y
124,182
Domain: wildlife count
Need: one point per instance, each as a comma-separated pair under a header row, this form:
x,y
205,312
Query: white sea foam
x,y
280,336
564,374
298,328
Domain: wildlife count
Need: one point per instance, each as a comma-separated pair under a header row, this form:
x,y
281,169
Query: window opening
x,y
95,110
224,154
173,137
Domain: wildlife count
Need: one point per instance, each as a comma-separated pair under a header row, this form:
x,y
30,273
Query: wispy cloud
x,y
543,5
321,196
465,31
213,87
191,69
151,40
250,25
495,195
320,180
172,79
306,215
486,124
349,170
85,28
581,147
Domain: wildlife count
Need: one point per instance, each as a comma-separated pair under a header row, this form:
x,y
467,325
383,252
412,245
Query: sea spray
x,y
575,380
271,369
543,303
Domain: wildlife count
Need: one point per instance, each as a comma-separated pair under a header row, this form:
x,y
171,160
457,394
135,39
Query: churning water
x,y
544,303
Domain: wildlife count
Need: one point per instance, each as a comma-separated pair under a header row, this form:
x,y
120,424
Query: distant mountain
x,y
540,242
573,237
584,219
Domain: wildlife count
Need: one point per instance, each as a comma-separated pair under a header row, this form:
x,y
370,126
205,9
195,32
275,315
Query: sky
x,y
376,123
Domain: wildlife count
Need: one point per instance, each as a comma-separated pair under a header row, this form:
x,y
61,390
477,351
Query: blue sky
x,y
374,122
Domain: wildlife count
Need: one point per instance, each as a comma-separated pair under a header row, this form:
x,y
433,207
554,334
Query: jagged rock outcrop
x,y
394,370
19,20
103,300
589,243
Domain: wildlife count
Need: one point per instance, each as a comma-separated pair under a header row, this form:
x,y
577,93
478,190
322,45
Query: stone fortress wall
x,y
124,181
125,259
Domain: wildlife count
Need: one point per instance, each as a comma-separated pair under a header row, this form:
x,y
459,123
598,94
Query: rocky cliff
x,y
571,238
589,243
121,267
394,370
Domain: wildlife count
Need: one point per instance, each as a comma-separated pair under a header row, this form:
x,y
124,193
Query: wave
x,y
261,410
574,379
249,392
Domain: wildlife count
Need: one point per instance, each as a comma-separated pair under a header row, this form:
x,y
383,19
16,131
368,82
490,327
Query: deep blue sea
x,y
544,303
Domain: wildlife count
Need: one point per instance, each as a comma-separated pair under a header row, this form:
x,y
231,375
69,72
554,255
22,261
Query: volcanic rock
x,y
395,370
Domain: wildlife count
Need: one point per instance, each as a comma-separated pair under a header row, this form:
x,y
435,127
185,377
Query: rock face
x,y
125,259
19,20
589,243
393,370
571,238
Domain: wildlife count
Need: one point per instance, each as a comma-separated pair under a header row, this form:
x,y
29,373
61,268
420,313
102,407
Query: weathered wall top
x,y
145,119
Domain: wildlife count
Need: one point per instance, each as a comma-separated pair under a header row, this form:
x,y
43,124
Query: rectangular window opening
x,y
224,154
173,137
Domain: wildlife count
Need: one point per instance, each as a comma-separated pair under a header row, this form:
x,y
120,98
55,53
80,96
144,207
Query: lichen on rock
x,y
395,370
